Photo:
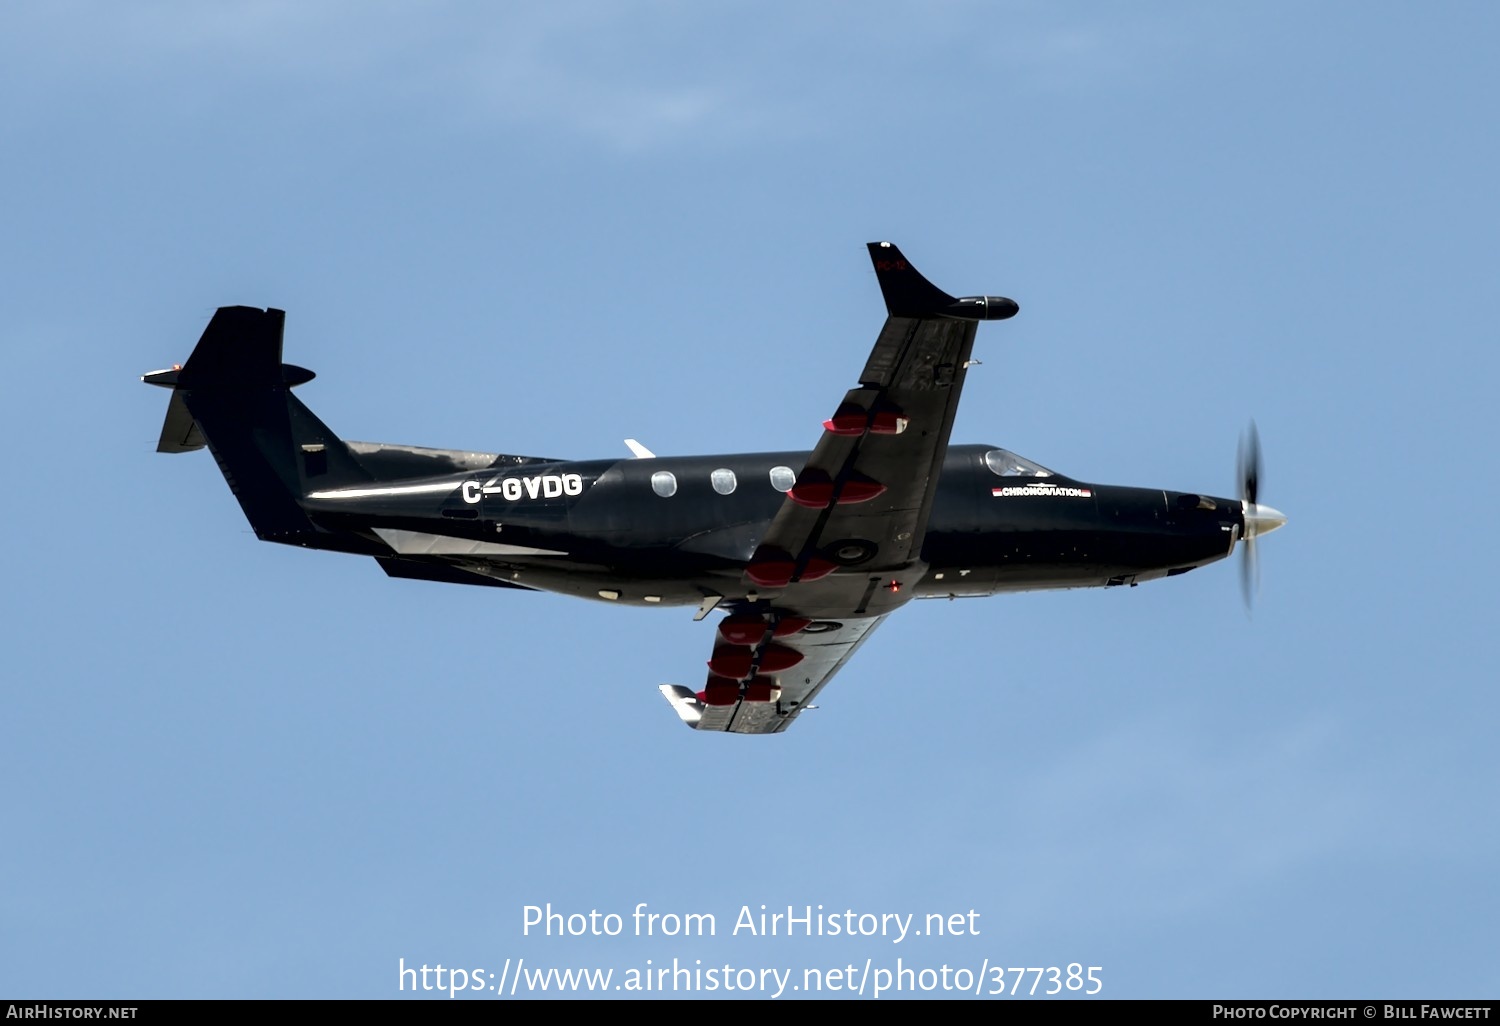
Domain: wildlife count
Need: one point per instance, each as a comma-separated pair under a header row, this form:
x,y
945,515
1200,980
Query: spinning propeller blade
x,y
1259,519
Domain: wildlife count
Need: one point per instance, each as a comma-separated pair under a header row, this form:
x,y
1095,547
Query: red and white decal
x,y
1010,491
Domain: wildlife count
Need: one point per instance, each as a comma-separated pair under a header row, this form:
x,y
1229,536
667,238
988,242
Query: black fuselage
x,y
672,530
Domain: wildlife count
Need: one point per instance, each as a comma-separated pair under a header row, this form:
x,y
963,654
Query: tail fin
x,y
234,395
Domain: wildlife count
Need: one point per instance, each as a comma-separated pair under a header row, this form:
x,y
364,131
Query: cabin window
x,y
782,478
723,481
1007,464
664,483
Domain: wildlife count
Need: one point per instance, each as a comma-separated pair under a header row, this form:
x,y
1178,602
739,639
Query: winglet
x,y
684,703
908,294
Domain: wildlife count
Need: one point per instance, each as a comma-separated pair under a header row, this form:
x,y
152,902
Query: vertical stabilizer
x,y
234,395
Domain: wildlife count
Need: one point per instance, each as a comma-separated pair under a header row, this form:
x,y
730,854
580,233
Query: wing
x,y
853,524
845,548
761,701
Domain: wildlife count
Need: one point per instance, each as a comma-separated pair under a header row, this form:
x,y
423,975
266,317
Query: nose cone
x,y
1261,520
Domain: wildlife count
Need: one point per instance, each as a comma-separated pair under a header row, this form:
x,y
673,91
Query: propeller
x,y
1259,519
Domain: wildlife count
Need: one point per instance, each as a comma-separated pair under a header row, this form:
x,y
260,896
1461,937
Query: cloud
x,y
602,71
627,75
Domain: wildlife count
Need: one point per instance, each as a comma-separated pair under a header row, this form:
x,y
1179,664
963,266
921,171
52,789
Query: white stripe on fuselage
x,y
364,493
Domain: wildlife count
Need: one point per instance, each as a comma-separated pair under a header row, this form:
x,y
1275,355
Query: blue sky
x,y
235,769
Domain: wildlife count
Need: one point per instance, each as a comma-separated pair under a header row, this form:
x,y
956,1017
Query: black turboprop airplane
x,y
806,552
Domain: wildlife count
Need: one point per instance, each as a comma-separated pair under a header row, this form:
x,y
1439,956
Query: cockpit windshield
x,y
1007,464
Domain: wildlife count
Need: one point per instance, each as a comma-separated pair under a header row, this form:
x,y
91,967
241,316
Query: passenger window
x,y
782,478
723,481
664,483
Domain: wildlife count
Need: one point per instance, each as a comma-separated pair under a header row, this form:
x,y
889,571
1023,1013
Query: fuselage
x,y
672,530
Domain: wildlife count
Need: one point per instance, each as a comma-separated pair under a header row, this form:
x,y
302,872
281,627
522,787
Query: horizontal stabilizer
x,y
179,431
240,349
